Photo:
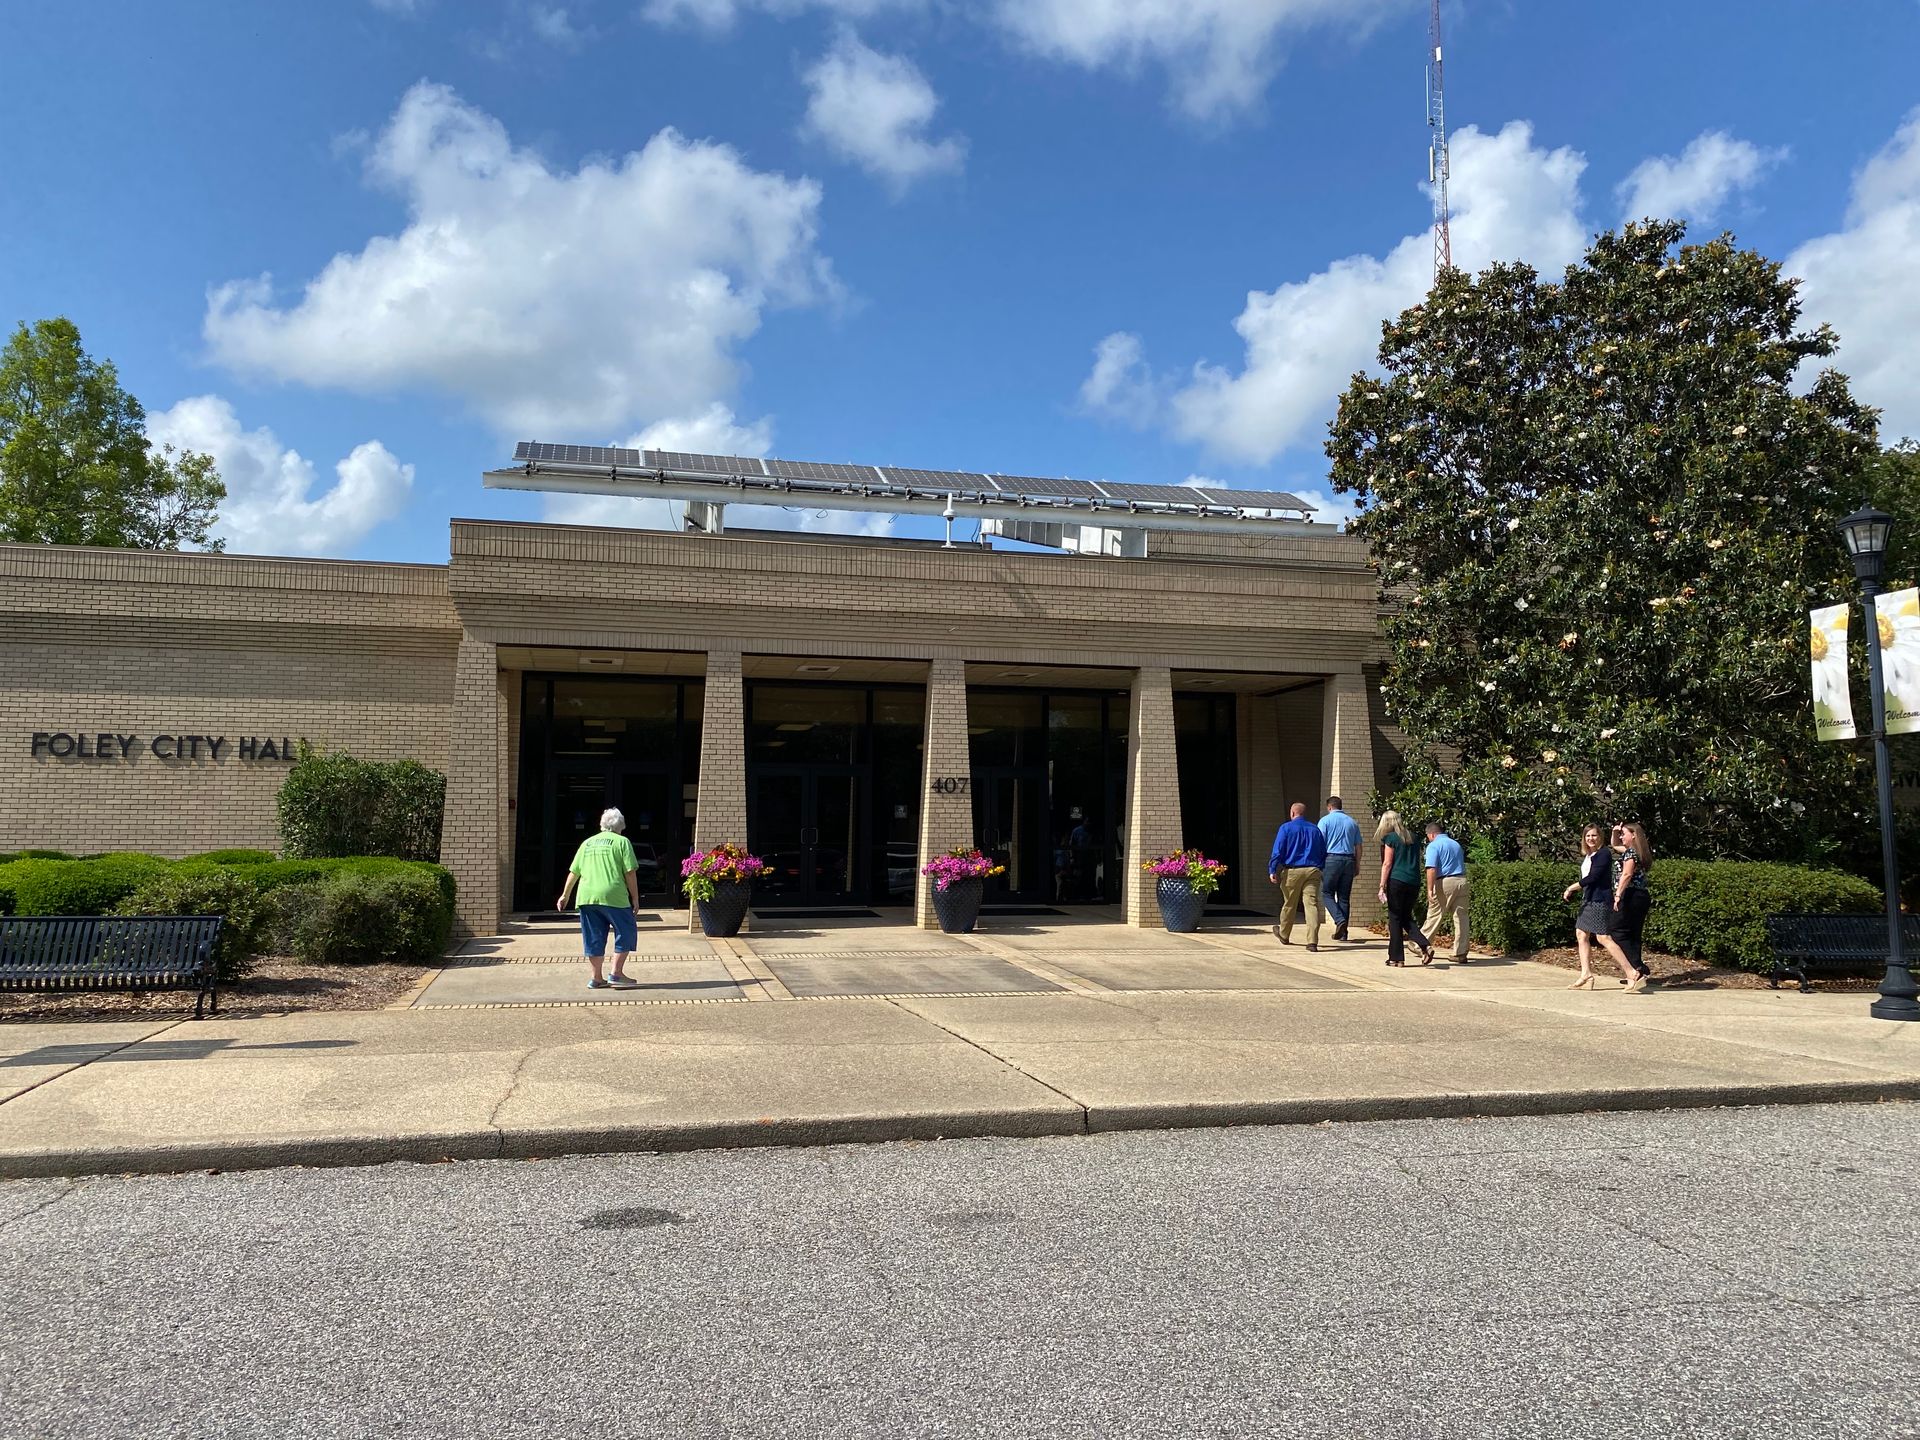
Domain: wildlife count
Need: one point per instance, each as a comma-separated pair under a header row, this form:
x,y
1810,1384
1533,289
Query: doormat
x,y
572,917
849,914
1020,910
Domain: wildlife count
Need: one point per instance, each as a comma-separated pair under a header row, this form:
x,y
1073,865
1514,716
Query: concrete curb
x,y
1066,1119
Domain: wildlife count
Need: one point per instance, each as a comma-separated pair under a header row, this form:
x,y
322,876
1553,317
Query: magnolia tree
x,y
1600,508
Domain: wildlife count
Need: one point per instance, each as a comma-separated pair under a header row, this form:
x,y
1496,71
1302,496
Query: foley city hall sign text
x,y
111,746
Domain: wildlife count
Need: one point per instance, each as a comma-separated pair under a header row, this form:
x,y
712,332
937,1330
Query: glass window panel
x,y
795,724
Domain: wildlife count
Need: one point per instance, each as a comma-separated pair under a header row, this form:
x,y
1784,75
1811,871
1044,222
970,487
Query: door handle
x,y
810,835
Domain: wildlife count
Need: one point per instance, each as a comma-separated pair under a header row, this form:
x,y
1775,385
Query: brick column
x,y
1153,789
721,811
946,814
470,836
1346,770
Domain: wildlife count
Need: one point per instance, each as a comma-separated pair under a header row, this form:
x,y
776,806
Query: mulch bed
x,y
277,986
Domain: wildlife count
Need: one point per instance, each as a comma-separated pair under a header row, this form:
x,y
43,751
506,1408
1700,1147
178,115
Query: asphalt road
x,y
1705,1273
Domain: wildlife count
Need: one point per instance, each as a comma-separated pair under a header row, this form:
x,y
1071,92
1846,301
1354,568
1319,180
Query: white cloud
x,y
271,507
1219,54
1864,280
1513,201
550,302
1120,386
874,110
721,14
1695,184
555,25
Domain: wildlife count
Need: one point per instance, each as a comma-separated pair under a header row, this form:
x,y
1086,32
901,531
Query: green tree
x,y
1600,508
76,467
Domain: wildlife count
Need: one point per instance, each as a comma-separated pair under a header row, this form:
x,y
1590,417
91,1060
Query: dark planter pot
x,y
958,906
726,911
1180,907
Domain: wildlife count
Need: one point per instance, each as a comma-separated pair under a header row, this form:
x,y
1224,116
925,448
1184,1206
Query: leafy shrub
x,y
307,872
76,887
231,857
1713,911
332,804
357,917
43,855
206,890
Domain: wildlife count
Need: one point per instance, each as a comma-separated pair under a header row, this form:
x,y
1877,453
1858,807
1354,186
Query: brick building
x,y
846,706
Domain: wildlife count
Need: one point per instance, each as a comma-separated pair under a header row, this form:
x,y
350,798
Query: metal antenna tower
x,y
1439,165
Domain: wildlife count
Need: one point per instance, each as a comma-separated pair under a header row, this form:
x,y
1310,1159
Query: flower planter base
x,y
1180,906
726,911
958,906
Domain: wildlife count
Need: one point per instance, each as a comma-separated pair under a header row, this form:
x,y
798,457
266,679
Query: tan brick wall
x,y
1153,789
357,657
1346,770
470,842
946,817
521,584
720,811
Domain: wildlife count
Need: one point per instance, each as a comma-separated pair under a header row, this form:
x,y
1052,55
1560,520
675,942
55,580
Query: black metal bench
x,y
1851,945
100,952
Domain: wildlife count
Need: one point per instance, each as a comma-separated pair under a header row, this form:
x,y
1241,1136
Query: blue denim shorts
x,y
597,920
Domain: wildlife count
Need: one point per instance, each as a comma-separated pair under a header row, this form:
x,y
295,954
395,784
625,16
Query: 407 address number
x,y
952,784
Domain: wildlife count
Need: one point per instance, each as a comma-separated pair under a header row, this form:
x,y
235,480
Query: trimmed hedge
x,y
74,887
1713,911
198,889
358,918
231,857
350,908
332,805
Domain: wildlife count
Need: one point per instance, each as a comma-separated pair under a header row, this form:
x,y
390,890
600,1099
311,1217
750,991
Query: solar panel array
x,y
1034,487
834,474
780,475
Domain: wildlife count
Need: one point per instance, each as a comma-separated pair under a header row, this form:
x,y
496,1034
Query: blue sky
x,y
1142,240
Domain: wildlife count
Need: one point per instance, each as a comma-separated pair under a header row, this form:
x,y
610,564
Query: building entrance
x,y
587,742
833,792
804,822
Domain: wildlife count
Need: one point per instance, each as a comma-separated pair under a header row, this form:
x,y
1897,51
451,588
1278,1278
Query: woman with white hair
x,y
1399,886
603,872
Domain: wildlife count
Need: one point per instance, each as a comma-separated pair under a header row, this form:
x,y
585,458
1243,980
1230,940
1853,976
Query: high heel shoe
x,y
1636,985
1585,982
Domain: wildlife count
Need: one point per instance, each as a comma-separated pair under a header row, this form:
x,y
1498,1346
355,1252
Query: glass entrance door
x,y
1009,818
804,821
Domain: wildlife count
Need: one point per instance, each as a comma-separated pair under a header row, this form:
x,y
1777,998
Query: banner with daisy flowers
x,y
1832,696
1899,613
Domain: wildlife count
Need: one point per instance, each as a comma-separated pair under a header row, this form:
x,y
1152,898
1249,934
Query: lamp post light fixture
x,y
1866,532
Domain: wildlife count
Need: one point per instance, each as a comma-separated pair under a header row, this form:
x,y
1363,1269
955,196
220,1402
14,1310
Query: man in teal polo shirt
x,y
603,873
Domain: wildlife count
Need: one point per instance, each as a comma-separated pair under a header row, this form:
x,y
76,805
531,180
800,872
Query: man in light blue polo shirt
x,y
1343,854
1447,889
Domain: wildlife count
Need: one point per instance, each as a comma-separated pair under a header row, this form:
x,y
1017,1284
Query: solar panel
x,y
1042,489
704,464
955,480
1257,499
575,454
1158,494
813,470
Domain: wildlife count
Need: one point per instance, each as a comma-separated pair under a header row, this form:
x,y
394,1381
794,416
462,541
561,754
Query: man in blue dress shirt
x,y
1447,889
1299,855
1343,854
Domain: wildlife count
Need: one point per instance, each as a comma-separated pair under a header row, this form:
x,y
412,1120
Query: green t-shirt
x,y
1406,859
603,863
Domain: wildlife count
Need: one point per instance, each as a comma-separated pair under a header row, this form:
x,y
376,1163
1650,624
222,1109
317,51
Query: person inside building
x,y
1299,856
1343,856
603,875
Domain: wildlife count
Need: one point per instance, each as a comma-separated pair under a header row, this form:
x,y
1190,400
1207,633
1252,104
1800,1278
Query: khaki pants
x,y
1455,893
1301,888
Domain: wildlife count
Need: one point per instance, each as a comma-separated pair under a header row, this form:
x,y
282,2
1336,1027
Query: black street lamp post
x,y
1866,532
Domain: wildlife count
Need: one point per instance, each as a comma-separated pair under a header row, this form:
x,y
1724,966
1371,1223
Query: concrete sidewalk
x,y
1105,1029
